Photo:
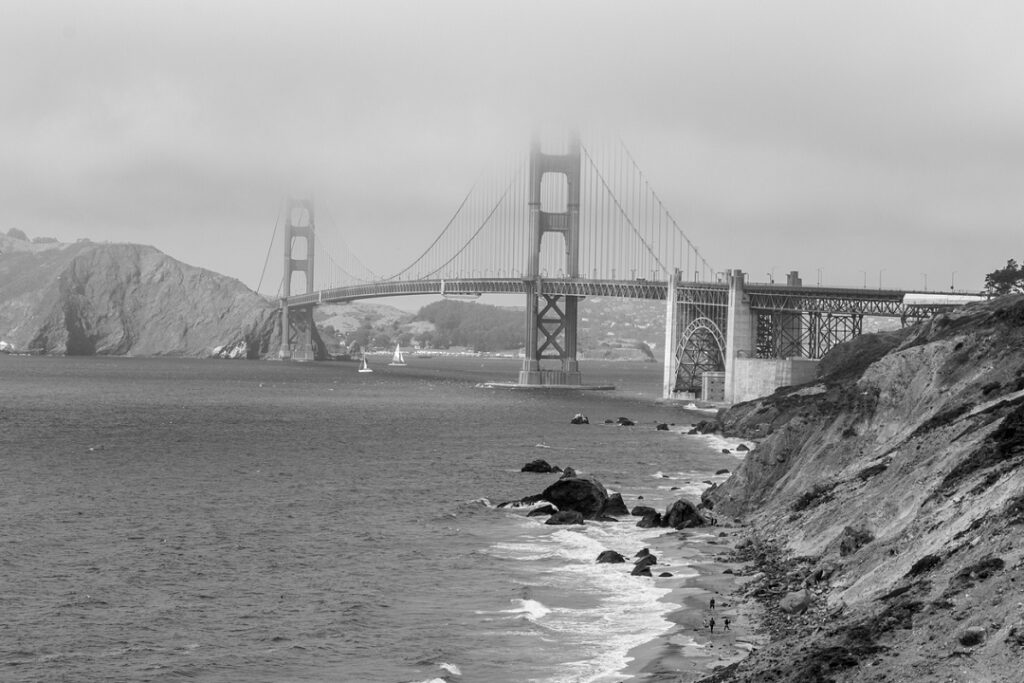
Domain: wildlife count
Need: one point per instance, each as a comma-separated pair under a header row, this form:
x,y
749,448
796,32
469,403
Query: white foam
x,y
450,668
718,442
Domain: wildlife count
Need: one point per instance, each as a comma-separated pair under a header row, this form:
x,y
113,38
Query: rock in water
x,y
615,506
585,495
579,419
540,466
565,517
610,557
542,510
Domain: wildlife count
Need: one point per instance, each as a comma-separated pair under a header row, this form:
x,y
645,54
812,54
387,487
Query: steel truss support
x,y
804,334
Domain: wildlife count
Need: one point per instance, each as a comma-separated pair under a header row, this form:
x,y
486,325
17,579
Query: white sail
x,y
397,358
364,367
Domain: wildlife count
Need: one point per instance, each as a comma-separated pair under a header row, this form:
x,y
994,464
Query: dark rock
x,y
540,466
542,510
609,421
722,472
641,571
643,553
650,521
665,574
647,561
615,506
610,557
682,514
726,450
642,511
853,540
625,422
706,427
568,472
742,447
579,419
974,635
606,518
662,427
585,495
565,517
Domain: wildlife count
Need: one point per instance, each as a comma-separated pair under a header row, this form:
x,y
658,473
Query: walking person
x,y
712,603
712,623
727,623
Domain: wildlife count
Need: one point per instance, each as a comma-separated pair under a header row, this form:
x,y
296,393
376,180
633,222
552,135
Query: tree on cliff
x,y
1008,280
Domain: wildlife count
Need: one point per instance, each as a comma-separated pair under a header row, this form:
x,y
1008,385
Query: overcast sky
x,y
864,139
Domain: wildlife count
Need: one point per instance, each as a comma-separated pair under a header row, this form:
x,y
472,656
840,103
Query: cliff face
x,y
115,299
893,491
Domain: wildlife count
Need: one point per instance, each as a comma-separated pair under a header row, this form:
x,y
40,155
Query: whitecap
x,y
453,669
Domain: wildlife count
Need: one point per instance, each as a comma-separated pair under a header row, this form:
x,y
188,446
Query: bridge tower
x,y
297,322
551,321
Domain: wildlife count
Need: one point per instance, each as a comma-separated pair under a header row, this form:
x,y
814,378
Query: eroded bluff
x,y
893,492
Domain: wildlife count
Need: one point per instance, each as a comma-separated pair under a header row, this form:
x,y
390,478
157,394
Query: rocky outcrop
x,y
583,494
887,501
126,299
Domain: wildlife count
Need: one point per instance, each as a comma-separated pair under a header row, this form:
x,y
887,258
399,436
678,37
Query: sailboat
x,y
364,367
398,358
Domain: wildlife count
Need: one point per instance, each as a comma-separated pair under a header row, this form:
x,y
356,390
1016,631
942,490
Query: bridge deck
x,y
764,297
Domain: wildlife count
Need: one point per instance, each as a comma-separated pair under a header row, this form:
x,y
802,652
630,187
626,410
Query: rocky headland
x,y
89,298
884,508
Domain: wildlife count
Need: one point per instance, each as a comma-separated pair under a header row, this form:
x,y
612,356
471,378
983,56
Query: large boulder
x,y
682,514
585,495
796,602
642,511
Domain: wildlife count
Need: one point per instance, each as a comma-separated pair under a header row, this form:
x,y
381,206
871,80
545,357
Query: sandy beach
x,y
689,650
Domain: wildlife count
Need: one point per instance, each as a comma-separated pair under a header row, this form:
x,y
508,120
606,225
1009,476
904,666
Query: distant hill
x,y
89,298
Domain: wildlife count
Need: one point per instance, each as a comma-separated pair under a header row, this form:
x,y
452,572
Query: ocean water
x,y
203,520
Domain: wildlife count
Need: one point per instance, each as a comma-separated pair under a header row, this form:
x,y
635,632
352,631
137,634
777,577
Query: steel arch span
x,y
701,349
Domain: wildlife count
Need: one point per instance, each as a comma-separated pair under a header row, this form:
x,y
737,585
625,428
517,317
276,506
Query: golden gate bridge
x,y
571,220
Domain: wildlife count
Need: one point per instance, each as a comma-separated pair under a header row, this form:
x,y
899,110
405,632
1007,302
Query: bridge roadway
x,y
888,303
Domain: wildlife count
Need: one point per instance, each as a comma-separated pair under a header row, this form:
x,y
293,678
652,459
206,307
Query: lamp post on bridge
x,y
865,274
925,276
952,281
819,276
880,277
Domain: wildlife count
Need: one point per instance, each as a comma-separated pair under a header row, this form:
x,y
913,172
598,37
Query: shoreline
x,y
689,651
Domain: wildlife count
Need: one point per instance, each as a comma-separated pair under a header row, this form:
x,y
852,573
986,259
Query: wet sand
x,y
689,651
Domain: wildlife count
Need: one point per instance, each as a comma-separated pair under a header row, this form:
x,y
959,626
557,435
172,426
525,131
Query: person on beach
x,y
727,623
712,623
712,603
